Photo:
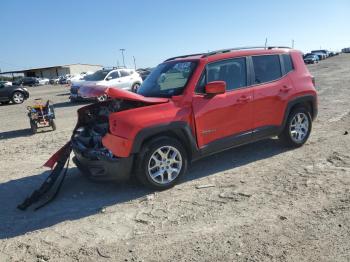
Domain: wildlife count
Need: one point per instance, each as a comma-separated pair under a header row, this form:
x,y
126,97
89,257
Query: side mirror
x,y
108,78
215,88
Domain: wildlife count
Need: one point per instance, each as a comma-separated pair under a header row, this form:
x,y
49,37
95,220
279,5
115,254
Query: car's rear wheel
x,y
17,97
163,162
298,127
135,87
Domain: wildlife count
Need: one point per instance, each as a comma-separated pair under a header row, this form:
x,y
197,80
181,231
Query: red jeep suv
x,y
192,106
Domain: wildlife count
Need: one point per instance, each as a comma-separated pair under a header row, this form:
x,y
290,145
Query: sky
x,y
38,33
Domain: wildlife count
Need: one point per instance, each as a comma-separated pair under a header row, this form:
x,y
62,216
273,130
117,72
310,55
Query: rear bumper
x,y
116,169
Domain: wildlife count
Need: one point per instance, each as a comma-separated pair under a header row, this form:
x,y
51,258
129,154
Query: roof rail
x,y
221,51
241,48
272,47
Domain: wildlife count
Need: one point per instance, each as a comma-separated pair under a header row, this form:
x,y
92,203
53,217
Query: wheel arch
x,y
177,130
307,101
16,90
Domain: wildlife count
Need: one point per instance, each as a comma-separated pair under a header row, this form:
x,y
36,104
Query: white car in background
x,y
43,81
6,83
124,78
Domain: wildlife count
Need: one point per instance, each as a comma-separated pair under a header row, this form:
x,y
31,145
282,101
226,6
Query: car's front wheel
x,y
298,127
17,97
135,87
163,162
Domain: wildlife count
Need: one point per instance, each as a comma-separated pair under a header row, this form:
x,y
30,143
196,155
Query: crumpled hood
x,y
117,93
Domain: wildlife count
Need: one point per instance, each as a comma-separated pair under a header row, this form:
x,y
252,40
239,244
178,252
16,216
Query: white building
x,y
55,71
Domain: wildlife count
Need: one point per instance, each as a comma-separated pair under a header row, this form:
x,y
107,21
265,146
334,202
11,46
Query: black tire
x,y
135,87
17,97
287,137
5,102
144,158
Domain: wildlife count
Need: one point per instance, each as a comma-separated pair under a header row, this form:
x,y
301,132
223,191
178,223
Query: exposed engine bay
x,y
93,124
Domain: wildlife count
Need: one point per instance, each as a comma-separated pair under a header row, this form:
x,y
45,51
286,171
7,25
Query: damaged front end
x,y
91,156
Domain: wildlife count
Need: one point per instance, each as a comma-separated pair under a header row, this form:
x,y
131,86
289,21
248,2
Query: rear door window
x,y
267,68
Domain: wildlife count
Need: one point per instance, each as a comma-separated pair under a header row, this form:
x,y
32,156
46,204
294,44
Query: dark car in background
x,y
311,59
27,81
322,54
14,93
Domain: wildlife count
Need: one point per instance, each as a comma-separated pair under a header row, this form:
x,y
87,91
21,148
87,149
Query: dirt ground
x,y
267,203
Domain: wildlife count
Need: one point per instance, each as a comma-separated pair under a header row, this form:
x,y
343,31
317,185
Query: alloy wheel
x,y
18,97
299,127
165,165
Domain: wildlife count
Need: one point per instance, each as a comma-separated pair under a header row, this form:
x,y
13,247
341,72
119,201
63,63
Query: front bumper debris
x,y
49,189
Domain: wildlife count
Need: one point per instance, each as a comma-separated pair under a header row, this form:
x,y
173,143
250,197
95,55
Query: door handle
x,y
244,99
285,89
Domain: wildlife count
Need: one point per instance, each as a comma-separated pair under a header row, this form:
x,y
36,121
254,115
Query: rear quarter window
x,y
267,68
288,63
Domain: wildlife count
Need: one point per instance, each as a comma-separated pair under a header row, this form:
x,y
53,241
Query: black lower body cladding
x,y
116,169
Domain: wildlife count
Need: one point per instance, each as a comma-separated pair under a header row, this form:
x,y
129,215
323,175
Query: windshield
x,y
167,79
97,76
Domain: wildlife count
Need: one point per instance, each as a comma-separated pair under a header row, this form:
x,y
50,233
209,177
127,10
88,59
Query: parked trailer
x,y
346,50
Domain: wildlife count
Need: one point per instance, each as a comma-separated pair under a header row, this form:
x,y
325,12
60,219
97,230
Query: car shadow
x,y
10,103
16,133
80,197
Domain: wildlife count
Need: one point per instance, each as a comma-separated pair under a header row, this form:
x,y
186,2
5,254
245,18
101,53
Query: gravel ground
x,y
265,203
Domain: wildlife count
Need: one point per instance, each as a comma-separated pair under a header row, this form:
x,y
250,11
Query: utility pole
x,y
134,61
293,43
265,42
123,50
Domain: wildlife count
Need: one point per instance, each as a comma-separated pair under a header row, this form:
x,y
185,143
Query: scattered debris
x,y
103,210
204,186
100,254
147,198
223,195
142,221
282,217
346,133
244,194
